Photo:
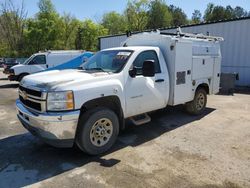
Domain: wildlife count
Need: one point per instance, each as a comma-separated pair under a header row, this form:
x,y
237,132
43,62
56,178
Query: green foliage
x,y
215,13
5,51
179,17
46,6
240,12
12,25
87,35
43,32
114,22
20,36
69,26
196,17
159,15
137,14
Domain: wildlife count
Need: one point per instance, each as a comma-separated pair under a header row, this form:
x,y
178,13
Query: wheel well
x,y
25,73
111,102
22,74
204,86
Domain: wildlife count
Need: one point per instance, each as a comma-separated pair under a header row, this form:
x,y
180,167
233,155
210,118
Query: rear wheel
x,y
198,105
97,131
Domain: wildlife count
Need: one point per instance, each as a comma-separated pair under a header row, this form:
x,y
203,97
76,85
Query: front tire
x,y
198,105
97,131
21,77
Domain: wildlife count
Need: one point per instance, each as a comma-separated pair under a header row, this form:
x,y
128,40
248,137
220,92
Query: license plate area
x,y
24,116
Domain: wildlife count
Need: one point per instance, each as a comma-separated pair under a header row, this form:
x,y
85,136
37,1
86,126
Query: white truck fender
x,y
20,69
199,82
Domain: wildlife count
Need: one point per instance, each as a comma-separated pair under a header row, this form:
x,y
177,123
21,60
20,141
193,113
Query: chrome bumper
x,y
57,129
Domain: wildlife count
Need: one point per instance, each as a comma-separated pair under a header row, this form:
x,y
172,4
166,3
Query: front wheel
x,y
21,77
198,105
97,131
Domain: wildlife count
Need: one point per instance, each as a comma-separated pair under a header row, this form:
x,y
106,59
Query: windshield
x,y
108,61
28,60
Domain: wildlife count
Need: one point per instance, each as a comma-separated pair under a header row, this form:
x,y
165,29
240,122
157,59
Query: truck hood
x,y
17,66
52,79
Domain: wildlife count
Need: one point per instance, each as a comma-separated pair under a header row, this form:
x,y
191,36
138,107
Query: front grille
x,y
31,92
32,98
31,104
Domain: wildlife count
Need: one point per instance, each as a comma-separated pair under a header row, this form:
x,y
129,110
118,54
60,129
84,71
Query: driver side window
x,y
38,60
146,55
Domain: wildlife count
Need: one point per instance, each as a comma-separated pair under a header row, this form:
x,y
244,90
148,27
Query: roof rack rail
x,y
179,33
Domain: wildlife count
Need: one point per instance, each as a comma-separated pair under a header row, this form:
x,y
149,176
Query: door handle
x,y
159,80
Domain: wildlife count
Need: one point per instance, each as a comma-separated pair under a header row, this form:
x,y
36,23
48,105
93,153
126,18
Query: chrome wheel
x,y
200,103
101,132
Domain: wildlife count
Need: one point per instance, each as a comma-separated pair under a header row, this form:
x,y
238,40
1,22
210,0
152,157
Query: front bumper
x,y
57,129
6,70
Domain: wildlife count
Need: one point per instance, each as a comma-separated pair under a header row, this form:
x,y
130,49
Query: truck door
x,y
144,94
38,63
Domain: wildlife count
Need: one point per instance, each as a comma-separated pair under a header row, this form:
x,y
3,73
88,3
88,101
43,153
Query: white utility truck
x,y
40,62
89,106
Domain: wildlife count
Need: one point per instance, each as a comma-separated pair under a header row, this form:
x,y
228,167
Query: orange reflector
x,y
70,100
69,96
70,105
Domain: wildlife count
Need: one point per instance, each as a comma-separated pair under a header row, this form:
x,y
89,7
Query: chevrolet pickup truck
x,y
88,107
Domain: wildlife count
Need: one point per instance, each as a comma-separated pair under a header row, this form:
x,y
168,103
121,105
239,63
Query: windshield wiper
x,y
98,69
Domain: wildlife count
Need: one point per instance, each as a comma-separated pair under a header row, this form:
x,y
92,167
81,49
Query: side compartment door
x,y
183,73
144,94
216,75
203,67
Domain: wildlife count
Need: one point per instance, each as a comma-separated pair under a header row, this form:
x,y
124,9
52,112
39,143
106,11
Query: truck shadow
x,y
8,86
3,79
24,160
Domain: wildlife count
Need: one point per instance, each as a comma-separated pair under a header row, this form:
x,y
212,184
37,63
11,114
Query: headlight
x,y
60,101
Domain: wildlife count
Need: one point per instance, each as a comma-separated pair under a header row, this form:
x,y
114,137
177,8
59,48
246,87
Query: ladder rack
x,y
179,33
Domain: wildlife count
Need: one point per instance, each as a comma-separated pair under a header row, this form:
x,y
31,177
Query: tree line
x,y
22,36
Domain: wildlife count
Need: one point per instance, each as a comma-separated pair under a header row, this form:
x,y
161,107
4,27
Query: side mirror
x,y
148,68
132,72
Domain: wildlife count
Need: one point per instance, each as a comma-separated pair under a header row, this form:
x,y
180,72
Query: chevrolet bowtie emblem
x,y
24,95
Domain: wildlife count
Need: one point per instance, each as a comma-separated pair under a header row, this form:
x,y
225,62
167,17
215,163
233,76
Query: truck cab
x,y
39,62
148,72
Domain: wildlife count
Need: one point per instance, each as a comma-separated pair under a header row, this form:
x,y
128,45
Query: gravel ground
x,y
174,150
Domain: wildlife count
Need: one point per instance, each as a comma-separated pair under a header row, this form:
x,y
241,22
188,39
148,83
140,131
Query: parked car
x,y
89,107
9,62
40,62
2,60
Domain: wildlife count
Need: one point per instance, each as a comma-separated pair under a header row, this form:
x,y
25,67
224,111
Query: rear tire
x,y
198,105
97,131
